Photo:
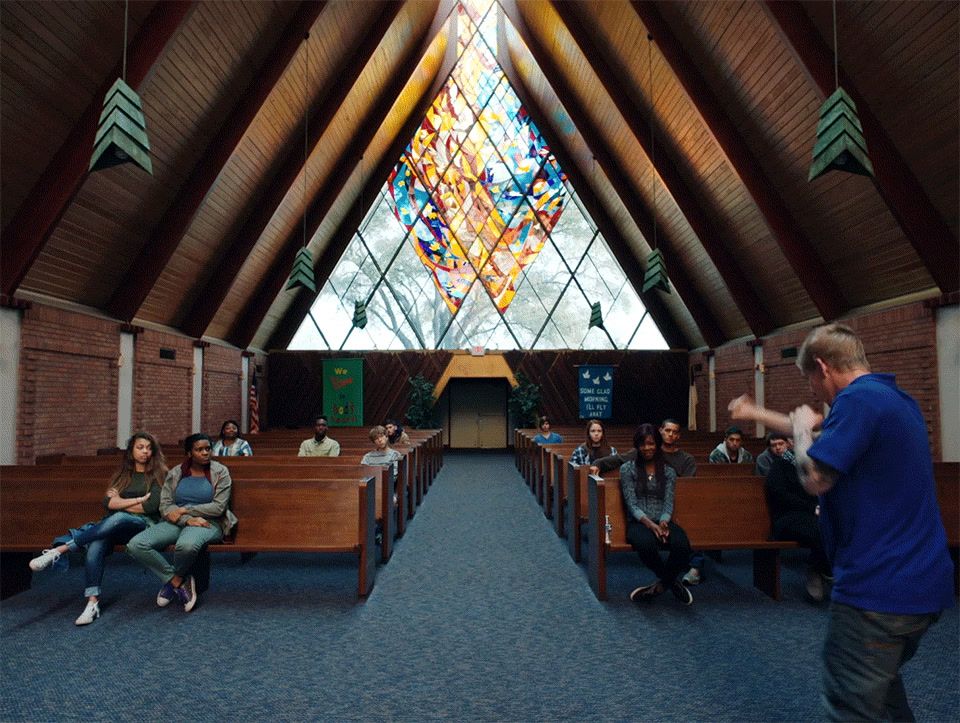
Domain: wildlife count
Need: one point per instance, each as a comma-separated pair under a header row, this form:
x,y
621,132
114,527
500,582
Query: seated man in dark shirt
x,y
793,516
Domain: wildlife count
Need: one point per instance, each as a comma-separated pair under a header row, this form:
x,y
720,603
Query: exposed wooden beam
x,y
795,245
156,253
31,226
246,325
243,240
712,236
297,311
633,202
922,224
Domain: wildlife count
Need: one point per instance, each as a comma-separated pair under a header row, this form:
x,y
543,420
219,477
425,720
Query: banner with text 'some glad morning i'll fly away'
x,y
595,383
343,392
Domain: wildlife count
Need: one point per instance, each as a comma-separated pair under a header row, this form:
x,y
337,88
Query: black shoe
x,y
681,592
647,593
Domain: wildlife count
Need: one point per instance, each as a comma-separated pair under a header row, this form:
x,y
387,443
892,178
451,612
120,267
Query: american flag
x,y
254,403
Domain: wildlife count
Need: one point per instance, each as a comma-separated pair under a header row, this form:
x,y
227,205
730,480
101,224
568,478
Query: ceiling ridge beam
x,y
166,236
795,245
244,239
922,224
634,203
246,325
32,225
714,239
658,310
323,267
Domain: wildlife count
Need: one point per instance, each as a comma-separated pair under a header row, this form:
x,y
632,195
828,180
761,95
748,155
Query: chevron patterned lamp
x,y
840,143
359,314
122,132
302,273
596,316
655,276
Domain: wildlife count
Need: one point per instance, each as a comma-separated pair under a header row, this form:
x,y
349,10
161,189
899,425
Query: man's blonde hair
x,y
837,345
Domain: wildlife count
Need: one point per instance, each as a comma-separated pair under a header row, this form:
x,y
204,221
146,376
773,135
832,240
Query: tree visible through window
x,y
477,238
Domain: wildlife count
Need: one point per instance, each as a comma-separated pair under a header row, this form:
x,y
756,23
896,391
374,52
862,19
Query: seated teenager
x,y
319,445
546,436
381,454
132,503
395,433
230,444
595,446
793,516
648,486
777,448
730,450
194,505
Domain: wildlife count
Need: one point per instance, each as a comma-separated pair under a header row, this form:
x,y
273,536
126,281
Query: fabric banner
x,y
596,391
343,392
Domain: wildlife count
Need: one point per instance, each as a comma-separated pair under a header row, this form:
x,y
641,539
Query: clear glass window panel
x,y
382,198
551,338
596,339
334,319
428,314
307,337
592,282
488,27
458,335
362,283
358,340
384,320
572,315
607,265
572,235
648,336
349,266
408,276
579,204
623,315
526,315
384,233
500,338
548,276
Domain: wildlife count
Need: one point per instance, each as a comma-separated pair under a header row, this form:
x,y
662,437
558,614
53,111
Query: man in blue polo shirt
x,y
881,525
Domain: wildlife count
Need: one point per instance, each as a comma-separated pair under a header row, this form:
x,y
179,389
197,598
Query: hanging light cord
x,y
306,136
836,49
126,25
653,161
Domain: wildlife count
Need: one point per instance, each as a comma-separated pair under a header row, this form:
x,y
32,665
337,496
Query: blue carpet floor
x,y
480,615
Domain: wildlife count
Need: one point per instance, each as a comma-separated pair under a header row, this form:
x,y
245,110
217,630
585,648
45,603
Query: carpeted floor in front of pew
x,y
480,615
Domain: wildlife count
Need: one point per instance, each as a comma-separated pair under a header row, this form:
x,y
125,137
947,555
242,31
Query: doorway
x,y
477,413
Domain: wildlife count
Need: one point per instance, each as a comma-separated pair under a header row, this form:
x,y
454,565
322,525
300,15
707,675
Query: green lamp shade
x,y
122,131
302,273
596,315
840,143
359,314
656,274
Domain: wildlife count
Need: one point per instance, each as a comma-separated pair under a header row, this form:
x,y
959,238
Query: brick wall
x,y
163,388
68,383
221,387
901,341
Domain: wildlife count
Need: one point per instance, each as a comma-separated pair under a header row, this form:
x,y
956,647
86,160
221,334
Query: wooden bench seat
x,y
313,515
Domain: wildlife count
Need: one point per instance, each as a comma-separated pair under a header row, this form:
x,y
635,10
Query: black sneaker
x,y
647,593
681,592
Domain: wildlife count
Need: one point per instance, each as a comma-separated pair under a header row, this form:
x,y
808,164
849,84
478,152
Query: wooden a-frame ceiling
x,y
205,245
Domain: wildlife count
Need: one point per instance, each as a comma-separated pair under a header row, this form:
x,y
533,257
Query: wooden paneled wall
x,y
648,386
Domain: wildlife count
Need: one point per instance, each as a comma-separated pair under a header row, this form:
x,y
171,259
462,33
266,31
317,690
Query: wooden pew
x,y
315,515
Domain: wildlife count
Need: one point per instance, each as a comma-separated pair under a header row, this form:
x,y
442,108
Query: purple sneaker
x,y
187,593
166,595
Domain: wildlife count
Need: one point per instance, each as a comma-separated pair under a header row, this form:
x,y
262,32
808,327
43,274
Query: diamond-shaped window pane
x,y
622,317
551,338
548,276
307,337
648,336
334,319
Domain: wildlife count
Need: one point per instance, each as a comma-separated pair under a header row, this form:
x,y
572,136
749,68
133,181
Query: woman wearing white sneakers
x,y
132,502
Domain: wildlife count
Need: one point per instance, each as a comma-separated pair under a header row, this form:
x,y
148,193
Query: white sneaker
x,y
44,560
90,613
814,585
692,577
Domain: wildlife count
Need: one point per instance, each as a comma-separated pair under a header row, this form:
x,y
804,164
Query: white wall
x,y
197,389
125,389
9,382
948,368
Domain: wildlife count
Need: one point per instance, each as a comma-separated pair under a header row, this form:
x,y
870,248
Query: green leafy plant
x,y
420,411
525,401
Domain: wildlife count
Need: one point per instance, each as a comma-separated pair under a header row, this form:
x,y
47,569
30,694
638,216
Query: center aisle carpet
x,y
480,615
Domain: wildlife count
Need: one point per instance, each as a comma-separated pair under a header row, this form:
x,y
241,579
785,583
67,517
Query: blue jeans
x,y
187,541
862,656
99,540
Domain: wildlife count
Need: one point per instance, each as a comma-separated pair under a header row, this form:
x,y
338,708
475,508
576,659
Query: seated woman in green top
x,y
132,503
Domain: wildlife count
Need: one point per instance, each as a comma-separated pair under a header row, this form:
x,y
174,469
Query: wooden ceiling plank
x,y
32,224
658,310
242,243
166,236
715,241
923,226
796,247
248,322
324,266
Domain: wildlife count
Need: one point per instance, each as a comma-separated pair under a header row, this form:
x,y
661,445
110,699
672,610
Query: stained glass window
x,y
477,237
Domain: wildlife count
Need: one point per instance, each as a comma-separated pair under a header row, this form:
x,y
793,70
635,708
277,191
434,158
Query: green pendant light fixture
x,y
596,316
359,314
840,143
301,275
122,130
655,277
